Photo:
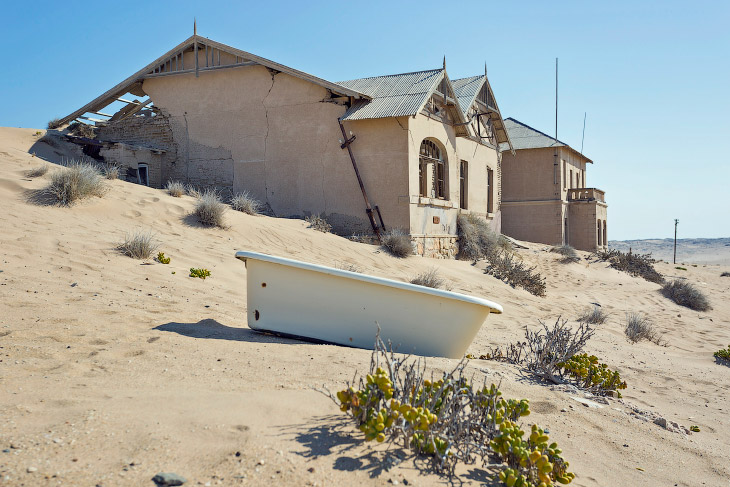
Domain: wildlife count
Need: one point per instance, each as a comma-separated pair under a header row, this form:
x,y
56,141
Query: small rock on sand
x,y
165,479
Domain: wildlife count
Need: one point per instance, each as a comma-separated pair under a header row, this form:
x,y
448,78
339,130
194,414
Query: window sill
x,y
435,202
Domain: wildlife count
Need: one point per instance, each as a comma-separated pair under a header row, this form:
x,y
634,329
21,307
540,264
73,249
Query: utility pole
x,y
675,240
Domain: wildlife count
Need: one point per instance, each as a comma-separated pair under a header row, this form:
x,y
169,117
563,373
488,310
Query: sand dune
x,y
113,369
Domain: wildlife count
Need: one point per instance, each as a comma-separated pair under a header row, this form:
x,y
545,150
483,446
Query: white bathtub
x,y
317,302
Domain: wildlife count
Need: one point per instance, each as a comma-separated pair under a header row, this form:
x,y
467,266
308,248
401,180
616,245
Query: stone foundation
x,y
436,247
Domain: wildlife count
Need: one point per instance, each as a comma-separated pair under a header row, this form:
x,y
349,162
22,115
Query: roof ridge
x,y
538,131
389,75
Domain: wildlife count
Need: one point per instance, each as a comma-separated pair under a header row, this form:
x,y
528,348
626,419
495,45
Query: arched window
x,y
431,154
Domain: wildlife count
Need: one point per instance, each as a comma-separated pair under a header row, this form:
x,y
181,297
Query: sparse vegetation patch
x,y
38,171
477,240
110,171
162,259
641,265
723,355
398,243
319,223
451,420
514,272
246,203
591,375
593,316
639,327
175,188
81,130
54,123
209,209
138,245
199,272
429,278
77,181
568,252
685,294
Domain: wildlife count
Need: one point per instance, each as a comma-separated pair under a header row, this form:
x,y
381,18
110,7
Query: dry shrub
x,y
397,243
77,181
81,130
175,188
568,252
37,171
209,209
191,190
139,245
477,240
54,123
348,266
110,171
685,294
641,265
319,223
515,273
548,347
593,316
246,203
429,278
640,327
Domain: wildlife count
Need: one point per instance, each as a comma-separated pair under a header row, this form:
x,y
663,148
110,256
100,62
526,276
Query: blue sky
x,y
653,77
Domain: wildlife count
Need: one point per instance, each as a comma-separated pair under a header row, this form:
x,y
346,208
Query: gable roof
x,y
400,95
133,83
467,90
525,137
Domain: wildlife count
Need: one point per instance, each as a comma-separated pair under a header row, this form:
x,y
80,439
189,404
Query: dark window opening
x,y
463,184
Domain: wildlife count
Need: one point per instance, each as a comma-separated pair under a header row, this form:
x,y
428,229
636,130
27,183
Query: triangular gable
x,y
172,62
477,89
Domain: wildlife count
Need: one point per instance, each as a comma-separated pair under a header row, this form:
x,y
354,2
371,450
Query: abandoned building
x,y
544,193
406,151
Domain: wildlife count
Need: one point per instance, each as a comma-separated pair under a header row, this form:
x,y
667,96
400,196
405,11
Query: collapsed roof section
x,y
193,55
401,95
477,90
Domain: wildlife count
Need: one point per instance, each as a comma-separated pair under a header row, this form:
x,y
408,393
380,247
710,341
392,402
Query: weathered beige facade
x,y
426,148
545,198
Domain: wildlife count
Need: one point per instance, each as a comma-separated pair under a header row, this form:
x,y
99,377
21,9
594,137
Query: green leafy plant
x,y
723,354
681,268
162,259
592,375
201,273
450,420
694,428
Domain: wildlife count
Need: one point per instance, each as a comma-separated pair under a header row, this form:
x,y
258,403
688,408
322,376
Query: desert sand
x,y
114,369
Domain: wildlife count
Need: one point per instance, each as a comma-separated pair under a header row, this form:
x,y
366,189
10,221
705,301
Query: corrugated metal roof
x,y
466,90
396,95
525,137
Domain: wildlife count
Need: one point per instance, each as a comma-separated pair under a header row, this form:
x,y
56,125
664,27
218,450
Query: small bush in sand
x,y
477,240
723,355
138,245
54,123
110,171
77,181
37,171
199,272
317,222
685,294
399,403
548,347
589,374
209,209
569,254
191,190
429,278
514,272
246,203
593,316
347,266
639,327
681,268
397,243
175,188
641,265
161,258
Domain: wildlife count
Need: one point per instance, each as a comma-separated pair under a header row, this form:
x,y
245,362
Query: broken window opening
x,y
463,184
430,153
143,174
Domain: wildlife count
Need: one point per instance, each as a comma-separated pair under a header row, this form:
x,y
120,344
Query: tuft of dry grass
x,y
477,240
209,209
110,171
175,188
319,223
139,244
685,294
54,123
429,278
640,327
38,171
348,266
506,267
191,190
593,316
77,181
246,203
568,252
398,243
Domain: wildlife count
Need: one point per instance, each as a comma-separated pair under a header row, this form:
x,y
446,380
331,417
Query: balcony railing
x,y
586,194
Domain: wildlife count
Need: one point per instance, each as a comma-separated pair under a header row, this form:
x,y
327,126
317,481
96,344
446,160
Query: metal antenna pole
x,y
556,100
675,240
584,133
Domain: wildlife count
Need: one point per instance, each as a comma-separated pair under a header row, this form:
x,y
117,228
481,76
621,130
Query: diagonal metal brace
x,y
348,142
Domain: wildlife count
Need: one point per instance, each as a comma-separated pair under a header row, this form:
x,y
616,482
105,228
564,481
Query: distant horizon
x,y
668,238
